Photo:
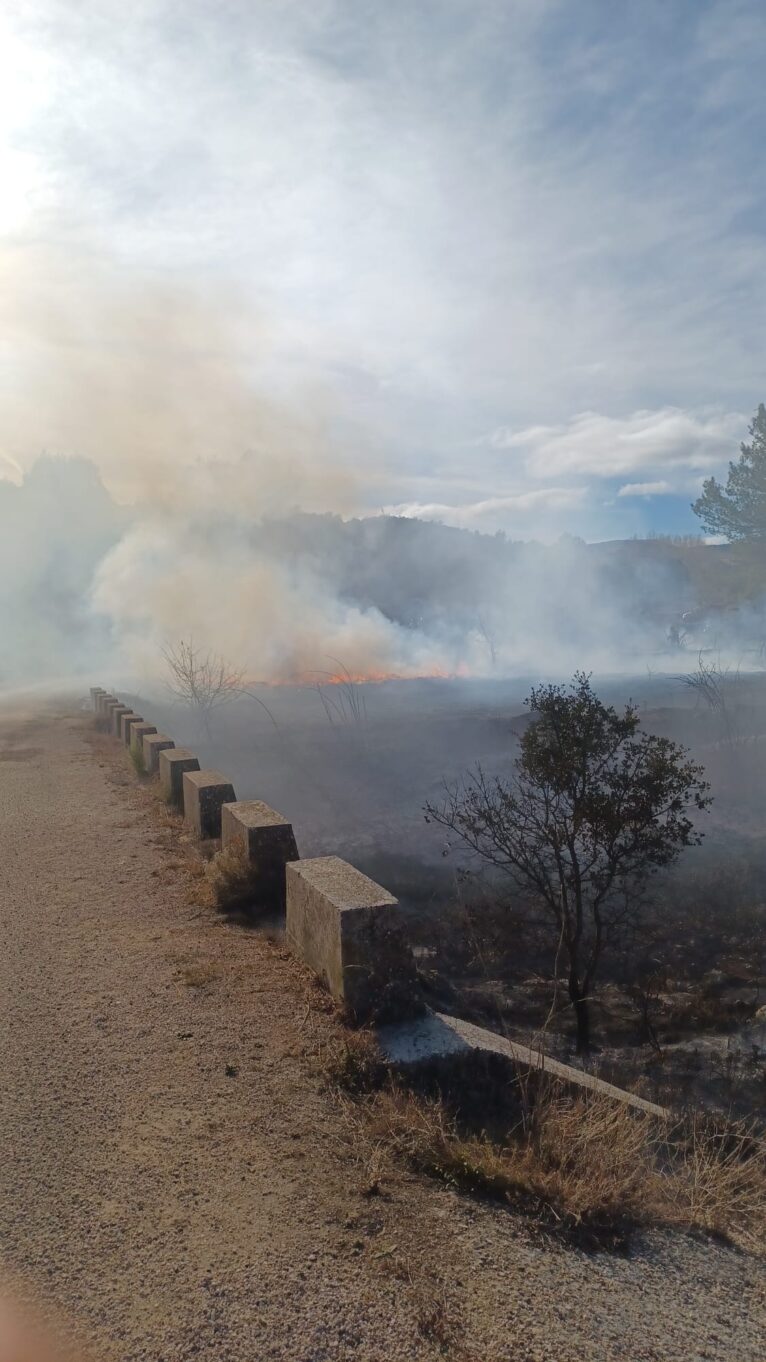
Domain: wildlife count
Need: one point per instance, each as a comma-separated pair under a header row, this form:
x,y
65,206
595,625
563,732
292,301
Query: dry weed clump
x,y
137,758
201,974
230,877
717,1180
353,1062
588,1166
578,1165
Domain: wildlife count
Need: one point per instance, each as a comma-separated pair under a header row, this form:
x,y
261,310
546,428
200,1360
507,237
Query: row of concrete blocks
x,y
340,923
345,927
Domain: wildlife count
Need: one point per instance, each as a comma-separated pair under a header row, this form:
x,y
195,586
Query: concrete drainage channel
x,y
346,928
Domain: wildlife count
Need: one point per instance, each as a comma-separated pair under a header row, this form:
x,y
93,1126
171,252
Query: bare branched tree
x,y
204,681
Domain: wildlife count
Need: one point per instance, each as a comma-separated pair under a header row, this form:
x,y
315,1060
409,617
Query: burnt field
x,y
353,767
353,777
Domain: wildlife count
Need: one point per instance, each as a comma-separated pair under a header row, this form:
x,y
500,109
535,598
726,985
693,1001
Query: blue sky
x,y
502,264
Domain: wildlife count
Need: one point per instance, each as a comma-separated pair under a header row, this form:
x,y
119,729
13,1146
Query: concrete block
x,y
117,713
205,793
126,723
106,712
153,744
98,708
349,931
459,1051
268,842
172,766
94,692
137,734
102,701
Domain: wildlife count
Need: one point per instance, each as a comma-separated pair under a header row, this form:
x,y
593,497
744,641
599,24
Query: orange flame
x,y
369,677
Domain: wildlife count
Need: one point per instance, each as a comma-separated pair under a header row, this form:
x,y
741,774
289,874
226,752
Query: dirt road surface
x,y
176,1179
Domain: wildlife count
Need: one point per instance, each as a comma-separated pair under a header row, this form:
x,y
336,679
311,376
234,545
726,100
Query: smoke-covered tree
x,y
205,682
595,807
201,679
738,510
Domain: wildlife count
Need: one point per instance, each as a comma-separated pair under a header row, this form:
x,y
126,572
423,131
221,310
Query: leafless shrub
x,y
204,681
342,697
717,687
711,683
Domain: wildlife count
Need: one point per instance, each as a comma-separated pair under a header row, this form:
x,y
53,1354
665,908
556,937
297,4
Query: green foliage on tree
x,y
738,510
594,808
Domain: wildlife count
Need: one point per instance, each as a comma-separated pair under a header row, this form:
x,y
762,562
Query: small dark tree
x,y
738,510
595,808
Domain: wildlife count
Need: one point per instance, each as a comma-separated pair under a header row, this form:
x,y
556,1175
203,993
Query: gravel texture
x,y
177,1181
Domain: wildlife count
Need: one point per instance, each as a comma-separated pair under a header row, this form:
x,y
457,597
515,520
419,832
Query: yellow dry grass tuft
x,y
717,1180
201,974
230,878
587,1165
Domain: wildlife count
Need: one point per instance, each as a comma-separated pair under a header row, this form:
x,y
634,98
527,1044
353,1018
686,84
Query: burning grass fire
x,y
372,677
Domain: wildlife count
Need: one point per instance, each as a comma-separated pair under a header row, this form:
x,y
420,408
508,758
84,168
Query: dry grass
x,y
230,877
717,1180
201,974
586,1165
353,1062
137,758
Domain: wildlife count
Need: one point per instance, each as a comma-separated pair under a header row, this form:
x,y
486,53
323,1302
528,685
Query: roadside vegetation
x,y
230,879
584,1166
137,758
579,1166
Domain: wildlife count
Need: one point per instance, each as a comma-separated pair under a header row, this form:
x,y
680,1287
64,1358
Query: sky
x,y
499,263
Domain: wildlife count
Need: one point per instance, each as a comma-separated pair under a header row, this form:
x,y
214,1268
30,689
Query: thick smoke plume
x,y
184,512
90,585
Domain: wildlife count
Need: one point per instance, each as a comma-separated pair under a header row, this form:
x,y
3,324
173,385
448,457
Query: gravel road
x,y
176,1181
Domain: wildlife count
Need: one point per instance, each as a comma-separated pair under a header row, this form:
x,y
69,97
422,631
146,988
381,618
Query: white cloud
x,y
443,217
592,444
510,510
645,489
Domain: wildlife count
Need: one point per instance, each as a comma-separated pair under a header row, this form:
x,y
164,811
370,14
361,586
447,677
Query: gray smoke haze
x,y
184,512
160,387
93,587
164,384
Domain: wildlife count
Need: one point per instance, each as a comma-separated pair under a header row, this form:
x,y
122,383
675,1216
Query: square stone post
x,y
267,841
205,793
350,932
154,743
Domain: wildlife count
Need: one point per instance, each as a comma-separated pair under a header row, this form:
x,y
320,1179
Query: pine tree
x,y
738,510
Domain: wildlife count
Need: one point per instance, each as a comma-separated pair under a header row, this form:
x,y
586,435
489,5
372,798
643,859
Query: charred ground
x,y
680,999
